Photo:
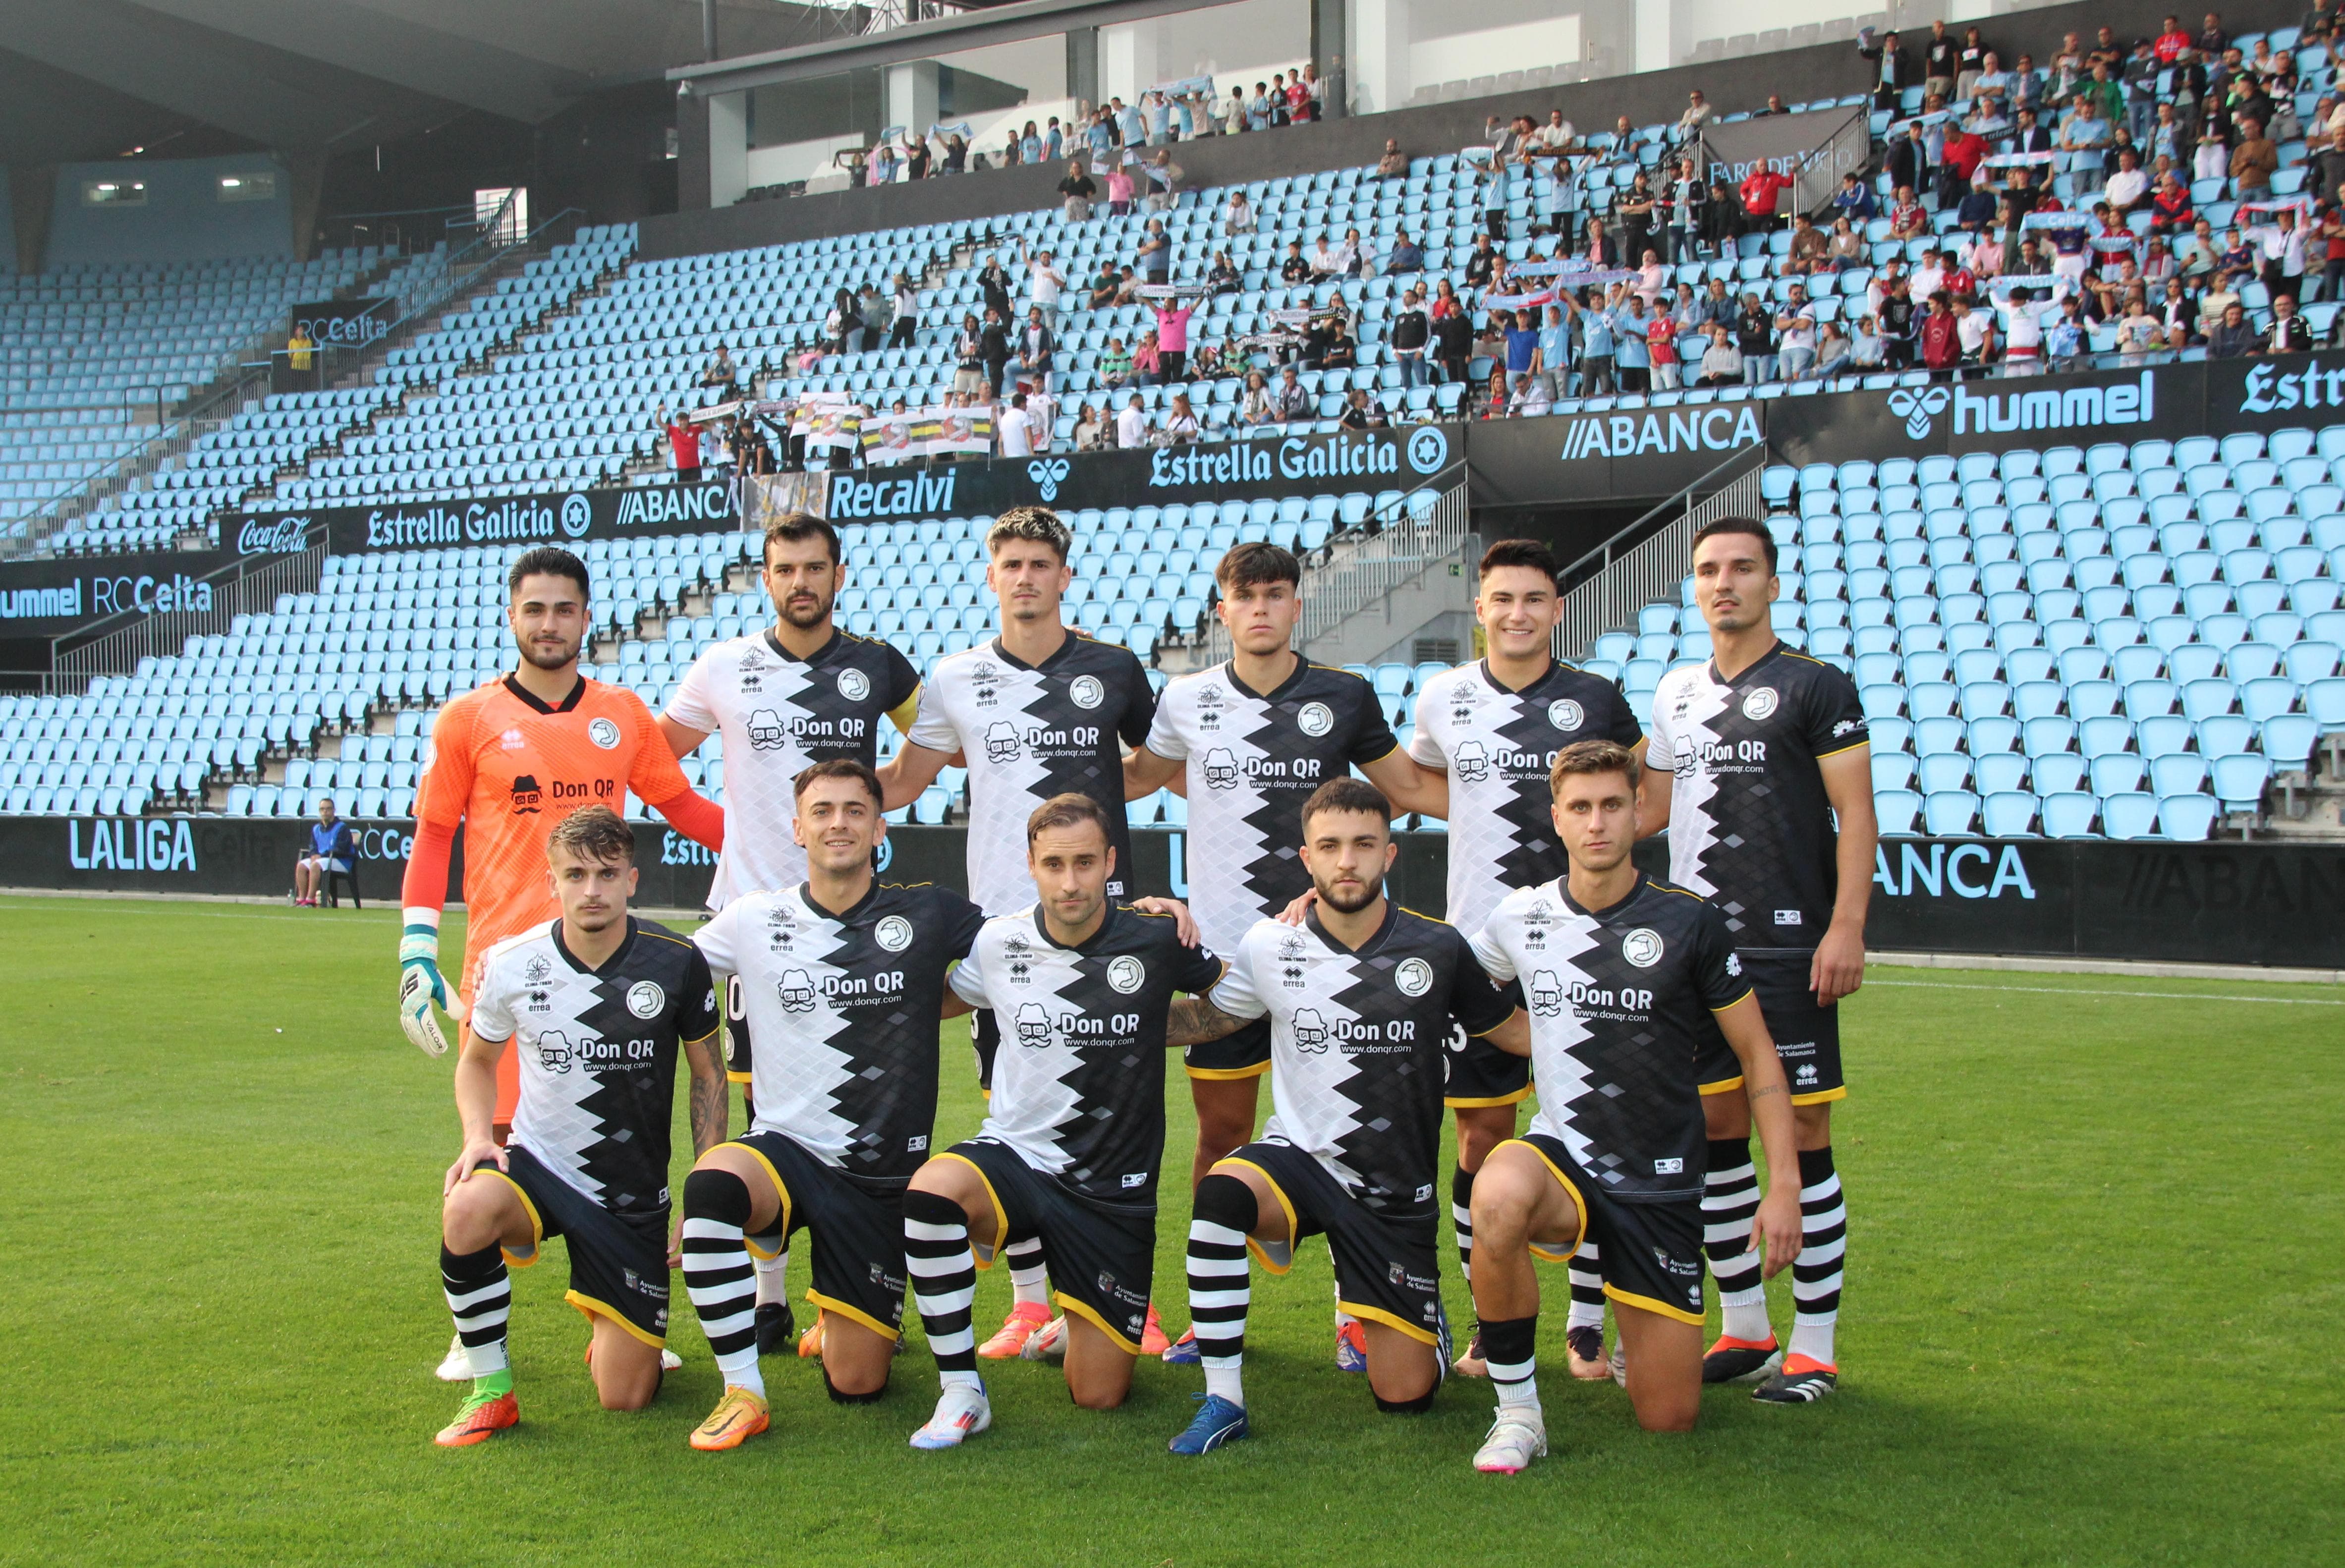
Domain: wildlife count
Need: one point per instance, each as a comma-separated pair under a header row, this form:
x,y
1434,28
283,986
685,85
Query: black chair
x,y
351,878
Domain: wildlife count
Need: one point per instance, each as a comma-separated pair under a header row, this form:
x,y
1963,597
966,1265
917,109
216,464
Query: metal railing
x,y
243,587
1360,573
1646,561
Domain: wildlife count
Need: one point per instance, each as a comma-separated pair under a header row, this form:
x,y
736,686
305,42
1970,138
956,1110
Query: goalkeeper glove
x,y
419,986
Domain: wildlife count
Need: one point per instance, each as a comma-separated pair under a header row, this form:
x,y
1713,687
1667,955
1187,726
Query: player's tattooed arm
x,y
710,1103
1193,1020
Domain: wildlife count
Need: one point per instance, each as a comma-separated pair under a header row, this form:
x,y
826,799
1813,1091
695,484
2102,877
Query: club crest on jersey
x,y
1565,714
854,684
766,730
797,989
1547,993
528,795
1396,1273
894,933
753,658
1757,704
644,999
1470,762
536,972
1220,770
1126,974
1314,719
1734,963
1002,742
1642,947
605,734
1310,1030
1085,691
1414,977
1033,1025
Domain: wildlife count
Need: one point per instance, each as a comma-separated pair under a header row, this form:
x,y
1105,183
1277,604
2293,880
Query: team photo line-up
x,y
1663,1021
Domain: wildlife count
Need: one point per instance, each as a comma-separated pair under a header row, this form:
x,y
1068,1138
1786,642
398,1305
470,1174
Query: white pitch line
x,y
2080,991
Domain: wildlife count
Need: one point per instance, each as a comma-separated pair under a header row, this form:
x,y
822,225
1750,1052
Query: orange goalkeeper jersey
x,y
509,768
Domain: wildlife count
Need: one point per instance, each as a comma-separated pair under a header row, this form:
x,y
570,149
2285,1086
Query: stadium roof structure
x,y
100,78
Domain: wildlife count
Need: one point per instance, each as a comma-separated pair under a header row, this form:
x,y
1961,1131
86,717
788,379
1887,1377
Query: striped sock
x,y
1219,1289
1823,1245
1461,1214
1027,1272
773,1283
1730,1200
716,1273
479,1297
944,1282
1507,1349
1587,1289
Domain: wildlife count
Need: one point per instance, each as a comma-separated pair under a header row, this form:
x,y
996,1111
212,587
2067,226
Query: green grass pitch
x,y
2092,1306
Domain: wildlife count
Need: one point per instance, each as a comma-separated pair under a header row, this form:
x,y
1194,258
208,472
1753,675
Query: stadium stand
x,y
2128,641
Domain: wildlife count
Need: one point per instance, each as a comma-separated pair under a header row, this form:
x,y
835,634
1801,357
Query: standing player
x,y
1074,1132
784,697
1039,711
1361,1002
595,1006
845,978
507,761
1250,739
1630,982
1495,728
1772,819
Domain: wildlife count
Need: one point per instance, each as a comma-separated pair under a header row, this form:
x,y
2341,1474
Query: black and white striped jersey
x,y
1079,1082
1750,827
1029,732
1497,746
780,715
1621,1001
596,1049
1357,1043
843,1007
1253,759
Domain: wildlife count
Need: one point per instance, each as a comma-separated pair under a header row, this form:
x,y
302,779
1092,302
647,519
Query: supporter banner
x,y
912,434
351,323
2271,904
549,518
50,597
1597,456
1779,141
1271,466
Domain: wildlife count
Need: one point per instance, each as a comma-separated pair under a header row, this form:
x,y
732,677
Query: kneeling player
x,y
596,1004
1628,979
1360,999
843,979
1074,1132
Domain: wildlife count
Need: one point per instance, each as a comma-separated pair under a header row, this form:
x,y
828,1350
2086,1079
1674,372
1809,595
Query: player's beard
x,y
1364,894
805,612
546,655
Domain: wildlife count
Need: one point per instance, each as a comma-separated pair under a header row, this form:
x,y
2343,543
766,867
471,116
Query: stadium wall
x,y
2276,905
182,219
1822,70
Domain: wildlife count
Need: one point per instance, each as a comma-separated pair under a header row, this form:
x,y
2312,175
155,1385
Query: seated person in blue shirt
x,y
1406,255
333,848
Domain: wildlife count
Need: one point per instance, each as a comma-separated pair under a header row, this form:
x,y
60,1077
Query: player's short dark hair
x,y
593,833
796,528
1582,757
1346,794
1526,552
1721,526
1035,525
1256,562
548,561
839,767
1065,811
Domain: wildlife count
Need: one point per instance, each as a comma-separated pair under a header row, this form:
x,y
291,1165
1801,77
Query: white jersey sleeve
x,y
968,978
717,939
691,705
490,1019
935,727
1429,747
1164,737
1237,994
1489,946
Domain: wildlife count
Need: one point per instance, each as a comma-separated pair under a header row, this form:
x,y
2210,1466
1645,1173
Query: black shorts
x,y
618,1262
1243,1052
1649,1253
858,1228
1387,1269
736,1031
1806,1036
1102,1255
1482,1074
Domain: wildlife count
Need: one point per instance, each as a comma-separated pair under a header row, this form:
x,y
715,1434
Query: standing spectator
x,y
1796,336
1234,117
301,352
993,283
1163,181
1037,349
969,361
2086,132
905,307
1172,337
682,446
1940,57
1453,336
1131,425
993,351
332,851
1761,190
1632,215
2212,39
1907,159
1555,350
2254,161
1631,348
1754,334
1078,189
1013,428
1155,255
1941,338
1044,284
1119,189
1898,72
1661,348
1894,316
1410,338
2171,42
1958,160
1598,363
